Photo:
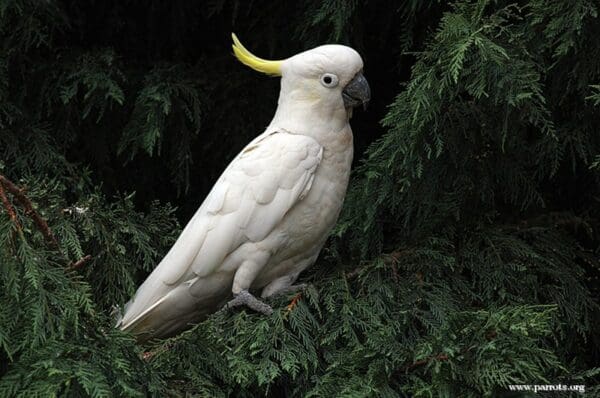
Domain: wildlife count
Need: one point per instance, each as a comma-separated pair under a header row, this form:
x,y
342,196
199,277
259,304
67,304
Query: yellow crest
x,y
247,58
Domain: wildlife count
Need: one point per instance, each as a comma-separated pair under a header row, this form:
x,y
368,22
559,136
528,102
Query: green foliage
x,y
168,99
99,78
362,329
595,97
334,12
51,319
83,366
467,255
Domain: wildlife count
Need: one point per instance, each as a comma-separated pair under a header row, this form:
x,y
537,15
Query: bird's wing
x,y
252,196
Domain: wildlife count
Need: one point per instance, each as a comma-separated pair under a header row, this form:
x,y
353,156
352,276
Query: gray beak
x,y
357,92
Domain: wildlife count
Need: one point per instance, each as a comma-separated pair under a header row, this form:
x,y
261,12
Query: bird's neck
x,y
301,114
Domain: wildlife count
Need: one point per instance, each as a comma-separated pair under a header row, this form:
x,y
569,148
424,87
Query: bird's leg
x,y
242,280
246,298
282,285
287,290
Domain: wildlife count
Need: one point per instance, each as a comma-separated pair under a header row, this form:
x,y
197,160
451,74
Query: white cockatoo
x,y
269,214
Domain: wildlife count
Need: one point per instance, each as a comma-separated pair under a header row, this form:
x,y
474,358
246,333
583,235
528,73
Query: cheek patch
x,y
308,91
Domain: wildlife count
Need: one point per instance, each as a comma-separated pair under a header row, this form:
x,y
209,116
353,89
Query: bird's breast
x,y
306,227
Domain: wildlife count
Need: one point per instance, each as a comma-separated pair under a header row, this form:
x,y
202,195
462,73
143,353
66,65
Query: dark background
x,y
237,102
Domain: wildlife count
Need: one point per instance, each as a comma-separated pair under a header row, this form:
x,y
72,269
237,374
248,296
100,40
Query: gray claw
x,y
245,298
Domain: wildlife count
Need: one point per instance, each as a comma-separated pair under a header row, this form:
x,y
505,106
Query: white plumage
x,y
269,214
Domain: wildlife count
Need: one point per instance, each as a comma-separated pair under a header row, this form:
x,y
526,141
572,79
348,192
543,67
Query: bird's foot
x,y
245,298
291,289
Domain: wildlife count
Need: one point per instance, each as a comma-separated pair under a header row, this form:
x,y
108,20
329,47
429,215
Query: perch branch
x,y
20,197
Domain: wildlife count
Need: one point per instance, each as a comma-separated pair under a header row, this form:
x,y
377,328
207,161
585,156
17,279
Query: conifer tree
x,y
466,258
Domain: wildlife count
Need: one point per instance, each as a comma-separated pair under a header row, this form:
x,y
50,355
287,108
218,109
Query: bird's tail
x,y
142,325
116,313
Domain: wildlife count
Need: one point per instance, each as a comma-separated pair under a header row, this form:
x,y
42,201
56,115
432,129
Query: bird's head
x,y
327,76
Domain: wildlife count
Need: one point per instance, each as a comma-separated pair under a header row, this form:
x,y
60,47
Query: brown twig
x,y
148,355
294,302
12,214
23,200
20,197
353,273
394,257
79,263
395,274
390,259
438,357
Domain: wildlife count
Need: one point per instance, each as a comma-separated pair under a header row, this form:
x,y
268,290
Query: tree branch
x,y
438,357
294,302
80,263
20,197
390,259
12,214
23,200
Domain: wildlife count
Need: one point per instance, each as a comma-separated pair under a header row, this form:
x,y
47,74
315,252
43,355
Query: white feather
x,y
272,208
265,184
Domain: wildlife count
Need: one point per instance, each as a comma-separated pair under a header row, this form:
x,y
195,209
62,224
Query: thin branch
x,y
390,259
294,302
148,355
425,361
353,273
23,200
20,197
12,214
80,263
439,357
394,257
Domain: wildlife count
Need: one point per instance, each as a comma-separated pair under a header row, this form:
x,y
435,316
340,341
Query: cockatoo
x,y
270,212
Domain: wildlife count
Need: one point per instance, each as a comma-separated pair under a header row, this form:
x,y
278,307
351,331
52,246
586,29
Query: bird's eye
x,y
329,80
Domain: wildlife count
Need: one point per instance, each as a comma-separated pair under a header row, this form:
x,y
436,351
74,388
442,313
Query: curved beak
x,y
357,92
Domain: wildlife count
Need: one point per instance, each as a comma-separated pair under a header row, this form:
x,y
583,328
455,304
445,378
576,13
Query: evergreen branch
x,y
80,263
390,259
294,302
9,207
439,357
20,197
42,224
147,356
353,273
